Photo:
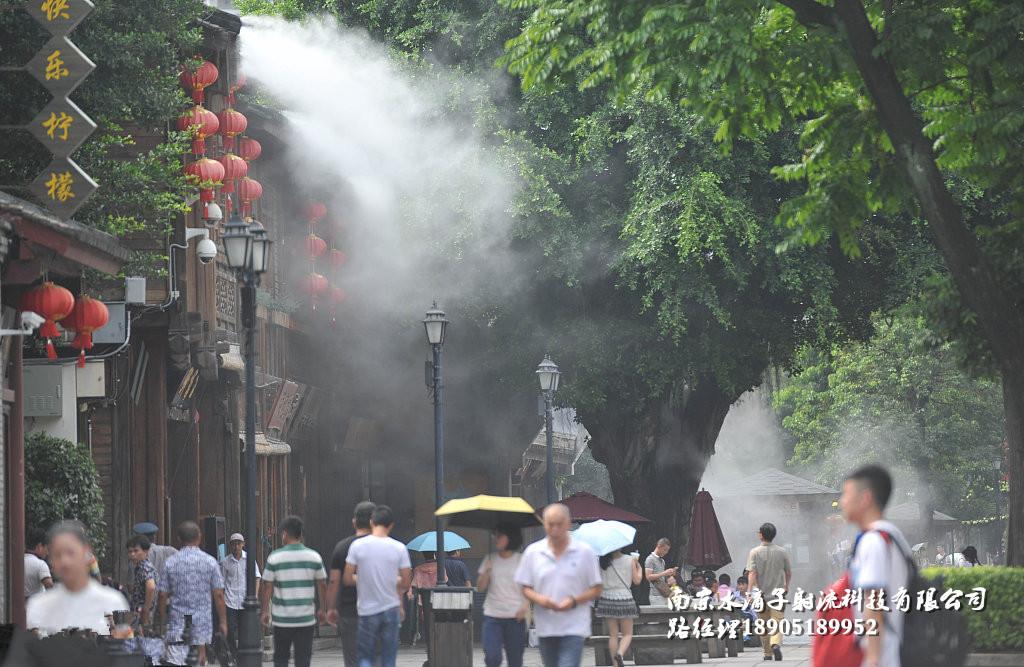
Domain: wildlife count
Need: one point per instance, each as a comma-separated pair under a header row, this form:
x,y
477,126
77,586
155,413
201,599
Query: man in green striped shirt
x,y
292,577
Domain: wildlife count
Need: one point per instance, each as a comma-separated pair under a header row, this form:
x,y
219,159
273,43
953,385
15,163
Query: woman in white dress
x,y
78,601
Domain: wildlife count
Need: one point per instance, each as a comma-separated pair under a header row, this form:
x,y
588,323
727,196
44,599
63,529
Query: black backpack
x,y
930,638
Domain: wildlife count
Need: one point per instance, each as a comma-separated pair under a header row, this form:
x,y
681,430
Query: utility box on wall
x,y
43,390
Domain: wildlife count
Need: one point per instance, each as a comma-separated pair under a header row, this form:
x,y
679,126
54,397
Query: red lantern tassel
x,y
51,351
229,143
81,359
197,95
198,146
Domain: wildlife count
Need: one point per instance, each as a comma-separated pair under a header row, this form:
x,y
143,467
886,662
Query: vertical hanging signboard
x,y
61,126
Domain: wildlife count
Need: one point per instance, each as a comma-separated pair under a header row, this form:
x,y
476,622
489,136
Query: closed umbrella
x,y
428,542
605,536
488,512
707,544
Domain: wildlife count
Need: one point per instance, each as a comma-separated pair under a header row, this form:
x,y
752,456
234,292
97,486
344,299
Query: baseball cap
x,y
236,537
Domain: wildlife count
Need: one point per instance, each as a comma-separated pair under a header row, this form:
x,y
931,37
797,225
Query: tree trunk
x,y
655,464
996,307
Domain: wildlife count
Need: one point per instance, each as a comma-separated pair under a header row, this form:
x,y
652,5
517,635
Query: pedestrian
x,y
191,578
659,577
158,553
879,562
724,592
37,572
505,607
560,576
424,577
455,569
769,571
232,568
292,577
142,591
341,599
383,571
970,557
940,555
616,605
78,601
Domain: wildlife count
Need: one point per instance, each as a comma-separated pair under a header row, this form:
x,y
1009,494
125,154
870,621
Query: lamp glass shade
x,y
547,374
436,325
260,247
237,243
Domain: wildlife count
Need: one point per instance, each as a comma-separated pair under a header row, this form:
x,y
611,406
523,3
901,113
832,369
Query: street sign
x,y
59,16
62,127
63,187
60,66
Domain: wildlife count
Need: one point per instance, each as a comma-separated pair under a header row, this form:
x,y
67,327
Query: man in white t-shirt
x,y
380,569
37,572
879,562
560,576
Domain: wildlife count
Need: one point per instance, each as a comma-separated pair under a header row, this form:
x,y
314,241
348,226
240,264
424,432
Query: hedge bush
x,y
60,483
1000,625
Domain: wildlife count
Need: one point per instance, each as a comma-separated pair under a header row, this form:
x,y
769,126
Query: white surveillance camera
x,y
31,321
213,214
206,250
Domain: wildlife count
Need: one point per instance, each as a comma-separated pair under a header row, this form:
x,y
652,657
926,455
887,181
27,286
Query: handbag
x,y
837,650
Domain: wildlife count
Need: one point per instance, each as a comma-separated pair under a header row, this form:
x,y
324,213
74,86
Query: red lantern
x,y
204,75
234,169
335,297
338,259
249,190
232,124
239,83
87,316
315,246
249,149
205,174
53,303
200,123
314,285
315,211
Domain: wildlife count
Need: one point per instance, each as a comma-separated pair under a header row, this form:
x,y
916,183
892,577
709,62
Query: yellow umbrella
x,y
489,512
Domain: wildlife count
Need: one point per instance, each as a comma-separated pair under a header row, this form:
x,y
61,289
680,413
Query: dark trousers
x,y
507,633
348,631
234,616
301,638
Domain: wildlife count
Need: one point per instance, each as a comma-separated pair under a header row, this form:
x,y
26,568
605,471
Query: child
x,y
741,594
724,587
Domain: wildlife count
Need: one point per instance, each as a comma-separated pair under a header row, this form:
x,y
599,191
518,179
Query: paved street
x,y
795,656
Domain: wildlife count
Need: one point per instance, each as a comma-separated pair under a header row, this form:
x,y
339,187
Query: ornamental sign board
x,y
60,66
59,16
63,187
62,127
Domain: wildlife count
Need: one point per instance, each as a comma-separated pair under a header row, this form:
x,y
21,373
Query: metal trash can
x,y
449,614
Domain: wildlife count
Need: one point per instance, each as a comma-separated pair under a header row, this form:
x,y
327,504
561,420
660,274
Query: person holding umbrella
x,y
616,605
505,607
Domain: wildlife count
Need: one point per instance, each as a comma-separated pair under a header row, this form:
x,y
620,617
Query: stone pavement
x,y
795,656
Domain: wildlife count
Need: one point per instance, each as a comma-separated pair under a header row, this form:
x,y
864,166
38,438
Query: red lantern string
x,y
205,174
196,81
232,124
314,285
248,190
87,316
53,303
200,123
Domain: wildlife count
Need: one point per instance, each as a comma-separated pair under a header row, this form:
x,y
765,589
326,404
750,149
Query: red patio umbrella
x,y
588,507
707,544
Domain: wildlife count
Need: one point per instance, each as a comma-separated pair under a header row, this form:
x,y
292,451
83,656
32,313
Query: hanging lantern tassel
x,y
336,297
314,285
53,303
88,315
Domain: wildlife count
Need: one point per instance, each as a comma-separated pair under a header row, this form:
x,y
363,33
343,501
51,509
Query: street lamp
x,y
436,325
247,250
547,373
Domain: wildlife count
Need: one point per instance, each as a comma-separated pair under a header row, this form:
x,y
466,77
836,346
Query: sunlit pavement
x,y
794,656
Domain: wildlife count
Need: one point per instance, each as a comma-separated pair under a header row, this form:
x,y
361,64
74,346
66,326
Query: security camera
x,y
212,214
31,321
206,250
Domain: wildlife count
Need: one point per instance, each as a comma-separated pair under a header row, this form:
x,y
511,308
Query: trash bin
x,y
448,612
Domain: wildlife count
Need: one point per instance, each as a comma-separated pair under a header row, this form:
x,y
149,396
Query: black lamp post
x,y
547,373
436,325
247,250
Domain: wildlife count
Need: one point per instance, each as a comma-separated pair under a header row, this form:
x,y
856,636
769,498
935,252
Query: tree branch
x,y
811,13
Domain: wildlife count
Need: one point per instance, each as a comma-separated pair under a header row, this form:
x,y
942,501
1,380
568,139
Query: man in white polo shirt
x,y
560,576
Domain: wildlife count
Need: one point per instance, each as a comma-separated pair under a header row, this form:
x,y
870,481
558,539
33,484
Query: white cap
x,y
236,537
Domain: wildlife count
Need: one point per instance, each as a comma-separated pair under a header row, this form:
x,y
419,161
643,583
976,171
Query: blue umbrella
x,y
605,536
428,542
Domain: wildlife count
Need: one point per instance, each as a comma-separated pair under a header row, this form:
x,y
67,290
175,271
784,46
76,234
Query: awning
x,y
267,446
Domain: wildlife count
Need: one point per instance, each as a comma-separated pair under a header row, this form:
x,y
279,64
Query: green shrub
x,y
60,483
1000,625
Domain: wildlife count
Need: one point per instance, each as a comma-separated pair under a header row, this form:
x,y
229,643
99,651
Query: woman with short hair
x,y
505,607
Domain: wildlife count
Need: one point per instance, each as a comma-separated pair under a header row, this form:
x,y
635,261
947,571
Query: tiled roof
x,y
911,512
775,482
